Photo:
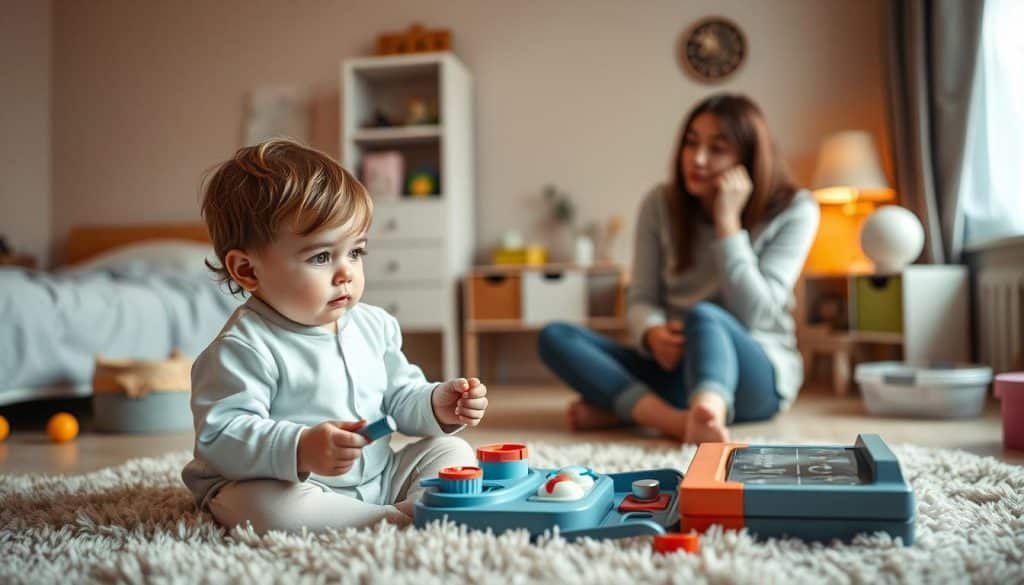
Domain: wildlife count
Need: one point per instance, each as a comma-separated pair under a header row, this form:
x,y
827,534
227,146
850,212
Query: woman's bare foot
x,y
652,411
583,416
706,421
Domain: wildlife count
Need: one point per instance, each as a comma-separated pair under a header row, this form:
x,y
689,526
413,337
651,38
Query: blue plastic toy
x,y
378,429
814,492
504,493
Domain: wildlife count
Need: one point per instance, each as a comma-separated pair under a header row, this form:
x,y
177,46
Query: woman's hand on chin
x,y
734,190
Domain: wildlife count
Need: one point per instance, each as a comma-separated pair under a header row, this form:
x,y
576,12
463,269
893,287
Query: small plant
x,y
563,211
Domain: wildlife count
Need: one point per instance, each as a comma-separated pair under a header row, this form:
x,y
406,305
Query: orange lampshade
x,y
848,183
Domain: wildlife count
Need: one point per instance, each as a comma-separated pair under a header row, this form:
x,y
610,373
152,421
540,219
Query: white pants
x,y
271,504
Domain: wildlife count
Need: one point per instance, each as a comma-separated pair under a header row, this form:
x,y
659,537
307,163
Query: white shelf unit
x,y
922,310
420,247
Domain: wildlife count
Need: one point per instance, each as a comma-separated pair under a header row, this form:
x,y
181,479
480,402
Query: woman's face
x,y
707,153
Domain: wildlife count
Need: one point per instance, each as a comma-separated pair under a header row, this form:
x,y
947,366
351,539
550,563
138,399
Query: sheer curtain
x,y
992,179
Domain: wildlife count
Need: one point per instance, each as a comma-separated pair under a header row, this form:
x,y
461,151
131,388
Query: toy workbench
x,y
504,493
814,492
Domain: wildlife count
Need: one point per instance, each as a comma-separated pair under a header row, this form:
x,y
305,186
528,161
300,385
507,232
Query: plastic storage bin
x,y
1010,390
554,296
899,389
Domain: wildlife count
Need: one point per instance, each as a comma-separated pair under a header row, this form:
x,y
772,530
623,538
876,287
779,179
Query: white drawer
x,y
415,308
559,295
404,263
408,219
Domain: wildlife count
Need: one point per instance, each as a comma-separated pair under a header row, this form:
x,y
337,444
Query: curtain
x,y
932,46
992,183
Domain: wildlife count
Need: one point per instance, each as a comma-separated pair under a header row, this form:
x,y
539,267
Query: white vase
x,y
584,255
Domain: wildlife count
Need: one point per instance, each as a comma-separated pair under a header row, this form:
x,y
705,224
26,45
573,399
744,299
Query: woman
x,y
718,251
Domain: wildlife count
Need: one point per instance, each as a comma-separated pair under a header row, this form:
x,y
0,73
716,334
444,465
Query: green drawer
x,y
879,304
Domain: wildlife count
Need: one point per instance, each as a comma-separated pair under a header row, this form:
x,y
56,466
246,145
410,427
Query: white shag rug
x,y
136,523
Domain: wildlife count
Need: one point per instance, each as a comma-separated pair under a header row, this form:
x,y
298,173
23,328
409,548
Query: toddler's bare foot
x,y
706,422
583,416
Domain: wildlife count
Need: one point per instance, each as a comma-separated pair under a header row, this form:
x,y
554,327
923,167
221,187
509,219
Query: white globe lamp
x,y
892,237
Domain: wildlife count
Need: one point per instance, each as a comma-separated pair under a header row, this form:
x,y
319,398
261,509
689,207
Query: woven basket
x,y
140,396
137,378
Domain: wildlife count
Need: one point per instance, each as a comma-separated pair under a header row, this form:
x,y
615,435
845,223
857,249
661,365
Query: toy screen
x,y
795,466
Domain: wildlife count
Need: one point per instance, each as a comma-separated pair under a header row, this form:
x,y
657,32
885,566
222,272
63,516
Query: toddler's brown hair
x,y
278,184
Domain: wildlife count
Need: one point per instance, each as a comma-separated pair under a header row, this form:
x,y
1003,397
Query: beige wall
x,y
25,152
583,93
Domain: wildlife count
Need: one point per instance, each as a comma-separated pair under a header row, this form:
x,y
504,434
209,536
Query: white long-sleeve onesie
x,y
266,378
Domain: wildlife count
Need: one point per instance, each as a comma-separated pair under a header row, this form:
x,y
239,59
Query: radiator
x,y
1001,313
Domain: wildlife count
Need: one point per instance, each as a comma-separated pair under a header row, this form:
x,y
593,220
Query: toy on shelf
x,y
418,111
382,174
414,40
813,492
514,251
505,493
422,182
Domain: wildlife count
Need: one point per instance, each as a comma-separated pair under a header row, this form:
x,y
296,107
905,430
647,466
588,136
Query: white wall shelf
x,y
398,134
418,257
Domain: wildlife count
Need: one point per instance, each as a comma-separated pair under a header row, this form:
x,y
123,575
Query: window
x,y
992,181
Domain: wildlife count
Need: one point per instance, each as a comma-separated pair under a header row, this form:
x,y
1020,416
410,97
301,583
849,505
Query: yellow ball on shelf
x,y
5,428
62,427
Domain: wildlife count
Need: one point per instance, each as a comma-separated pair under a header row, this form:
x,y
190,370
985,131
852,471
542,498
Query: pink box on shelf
x,y
1010,390
383,173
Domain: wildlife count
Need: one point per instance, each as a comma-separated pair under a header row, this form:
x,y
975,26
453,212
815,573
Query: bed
x,y
125,292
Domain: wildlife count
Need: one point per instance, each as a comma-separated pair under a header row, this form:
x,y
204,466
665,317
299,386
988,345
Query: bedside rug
x,y
136,523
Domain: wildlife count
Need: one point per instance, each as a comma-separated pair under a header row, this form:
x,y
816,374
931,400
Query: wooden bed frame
x,y
87,241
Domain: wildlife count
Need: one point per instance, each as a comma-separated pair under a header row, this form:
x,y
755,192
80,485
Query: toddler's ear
x,y
239,265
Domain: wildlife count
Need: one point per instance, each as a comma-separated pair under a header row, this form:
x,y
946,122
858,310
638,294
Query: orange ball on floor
x,y
62,427
5,428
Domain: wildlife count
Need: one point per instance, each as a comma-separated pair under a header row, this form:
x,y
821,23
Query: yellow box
x,y
529,256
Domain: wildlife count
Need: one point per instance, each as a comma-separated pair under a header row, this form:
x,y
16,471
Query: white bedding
x,y
52,325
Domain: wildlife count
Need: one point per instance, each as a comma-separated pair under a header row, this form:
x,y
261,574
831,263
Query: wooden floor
x,y
517,413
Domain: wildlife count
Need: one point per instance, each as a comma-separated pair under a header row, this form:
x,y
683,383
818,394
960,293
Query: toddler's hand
x,y
460,402
330,448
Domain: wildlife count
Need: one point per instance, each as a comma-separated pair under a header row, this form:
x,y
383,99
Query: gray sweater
x,y
750,275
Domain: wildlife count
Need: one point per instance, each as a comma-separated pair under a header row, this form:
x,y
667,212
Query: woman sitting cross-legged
x,y
718,251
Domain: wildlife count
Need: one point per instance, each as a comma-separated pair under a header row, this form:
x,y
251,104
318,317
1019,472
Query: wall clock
x,y
712,49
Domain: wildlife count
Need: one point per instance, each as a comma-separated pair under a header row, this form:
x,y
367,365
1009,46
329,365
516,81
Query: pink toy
x,y
1010,389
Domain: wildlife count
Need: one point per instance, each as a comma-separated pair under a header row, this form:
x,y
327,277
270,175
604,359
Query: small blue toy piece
x,y
378,429
504,493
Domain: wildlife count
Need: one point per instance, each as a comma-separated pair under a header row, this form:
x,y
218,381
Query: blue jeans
x,y
719,356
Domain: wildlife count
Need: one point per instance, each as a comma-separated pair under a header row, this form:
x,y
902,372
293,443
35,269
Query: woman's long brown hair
x,y
744,126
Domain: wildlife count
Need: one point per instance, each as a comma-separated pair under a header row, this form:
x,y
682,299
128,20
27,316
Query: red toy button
x,y
631,504
666,543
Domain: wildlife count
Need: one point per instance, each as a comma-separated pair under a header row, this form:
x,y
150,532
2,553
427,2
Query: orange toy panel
x,y
705,496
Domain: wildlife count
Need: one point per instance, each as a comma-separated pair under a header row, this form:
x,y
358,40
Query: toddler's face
x,y
314,279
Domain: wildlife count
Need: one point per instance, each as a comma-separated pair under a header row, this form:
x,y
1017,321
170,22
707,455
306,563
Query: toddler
x,y
301,366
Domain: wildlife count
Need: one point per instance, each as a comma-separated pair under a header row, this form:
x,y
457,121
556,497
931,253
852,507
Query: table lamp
x,y
848,183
